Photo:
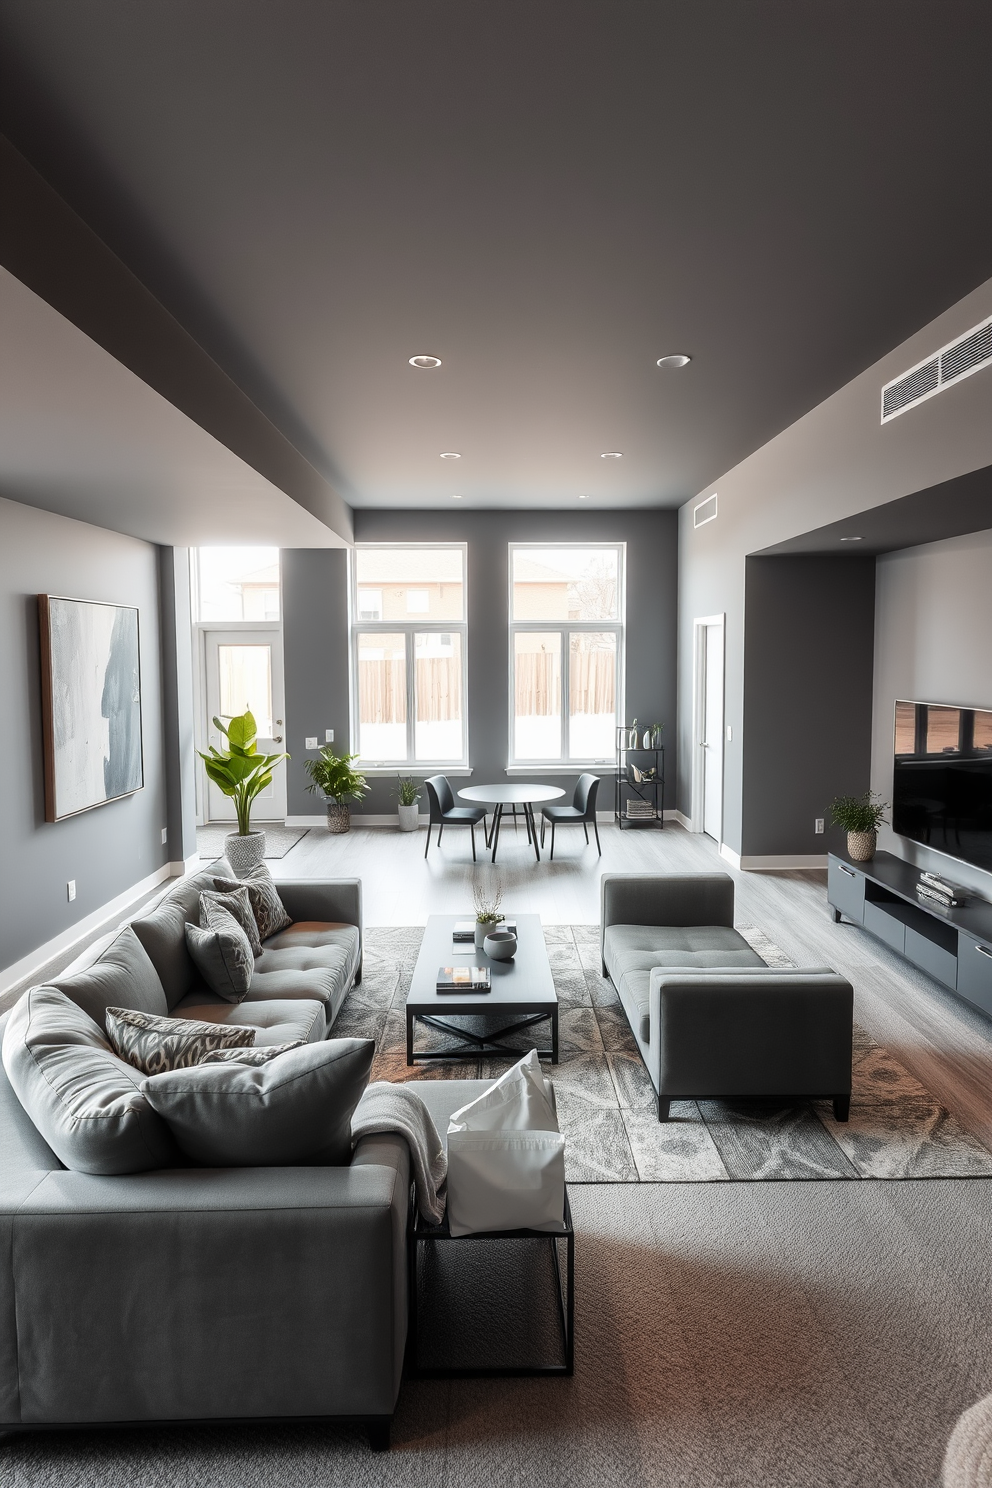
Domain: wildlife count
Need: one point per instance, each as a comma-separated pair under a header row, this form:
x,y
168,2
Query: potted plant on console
x,y
332,774
241,773
407,796
860,817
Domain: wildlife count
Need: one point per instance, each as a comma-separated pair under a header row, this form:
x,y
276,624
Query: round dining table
x,y
501,796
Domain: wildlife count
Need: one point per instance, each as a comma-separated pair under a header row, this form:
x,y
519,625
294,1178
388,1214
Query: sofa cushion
x,y
631,953
270,912
295,1110
85,1101
222,955
162,933
235,902
253,1057
274,1022
314,963
122,977
152,1045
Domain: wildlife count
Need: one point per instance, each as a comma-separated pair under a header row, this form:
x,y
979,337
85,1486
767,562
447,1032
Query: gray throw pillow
x,y
251,1056
270,912
86,1103
236,902
156,1044
222,956
296,1110
122,977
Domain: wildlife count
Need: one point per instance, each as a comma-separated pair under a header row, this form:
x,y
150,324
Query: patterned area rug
x,y
278,839
606,1103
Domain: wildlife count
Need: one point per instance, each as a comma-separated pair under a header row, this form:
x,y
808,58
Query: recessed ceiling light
x,y
852,539
676,359
583,498
456,498
612,455
425,361
450,455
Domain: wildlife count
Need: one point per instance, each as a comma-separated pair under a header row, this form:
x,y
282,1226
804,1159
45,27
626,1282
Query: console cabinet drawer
x,y
975,971
846,890
932,958
886,927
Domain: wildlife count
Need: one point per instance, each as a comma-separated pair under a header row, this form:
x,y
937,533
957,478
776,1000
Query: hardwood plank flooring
x,y
943,1041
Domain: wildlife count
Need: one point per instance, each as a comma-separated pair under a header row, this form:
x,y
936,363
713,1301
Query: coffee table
x,y
523,993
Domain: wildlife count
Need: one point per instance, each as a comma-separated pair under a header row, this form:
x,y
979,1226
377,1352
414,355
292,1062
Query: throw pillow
x,y
237,903
295,1110
270,912
85,1102
122,974
222,955
156,1044
251,1056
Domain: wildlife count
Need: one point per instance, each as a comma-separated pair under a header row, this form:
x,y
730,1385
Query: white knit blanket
x,y
397,1108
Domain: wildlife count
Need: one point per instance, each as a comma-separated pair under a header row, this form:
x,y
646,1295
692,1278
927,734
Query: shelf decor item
x,y
241,773
632,738
333,776
860,817
639,789
487,911
407,796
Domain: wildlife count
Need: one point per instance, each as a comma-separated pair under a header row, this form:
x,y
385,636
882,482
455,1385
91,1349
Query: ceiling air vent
x,y
969,353
704,511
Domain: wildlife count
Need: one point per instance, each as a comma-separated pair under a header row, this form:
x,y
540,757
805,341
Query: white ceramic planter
x,y
861,846
244,852
481,931
409,817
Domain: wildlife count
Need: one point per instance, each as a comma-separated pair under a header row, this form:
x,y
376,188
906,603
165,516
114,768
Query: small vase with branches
x,y
487,898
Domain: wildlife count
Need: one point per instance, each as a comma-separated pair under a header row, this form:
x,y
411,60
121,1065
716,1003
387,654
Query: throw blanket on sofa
x,y
395,1108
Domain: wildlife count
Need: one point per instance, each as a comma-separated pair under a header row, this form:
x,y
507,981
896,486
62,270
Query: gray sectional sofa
x,y
710,1018
189,1293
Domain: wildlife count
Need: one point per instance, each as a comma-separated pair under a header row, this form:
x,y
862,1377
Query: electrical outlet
x,y
818,825
328,736
70,890
165,835
312,741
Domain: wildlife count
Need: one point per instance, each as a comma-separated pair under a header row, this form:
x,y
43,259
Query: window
x,y
409,654
566,625
233,584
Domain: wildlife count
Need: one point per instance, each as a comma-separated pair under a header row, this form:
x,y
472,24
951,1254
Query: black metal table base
x,y
492,834
471,1045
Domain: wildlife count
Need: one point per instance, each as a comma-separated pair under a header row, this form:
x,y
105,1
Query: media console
x,y
953,945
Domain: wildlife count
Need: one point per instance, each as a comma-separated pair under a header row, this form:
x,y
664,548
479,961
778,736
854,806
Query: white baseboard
x,y
769,862
680,817
306,821
19,971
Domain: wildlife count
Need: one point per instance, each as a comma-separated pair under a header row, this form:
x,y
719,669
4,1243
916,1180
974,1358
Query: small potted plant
x,y
241,773
407,796
487,911
333,776
860,817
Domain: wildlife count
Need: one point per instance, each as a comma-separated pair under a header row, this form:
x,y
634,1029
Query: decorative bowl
x,y
501,945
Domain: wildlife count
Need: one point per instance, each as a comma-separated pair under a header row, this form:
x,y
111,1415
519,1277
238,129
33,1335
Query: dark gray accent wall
x,y
808,629
315,628
112,847
178,702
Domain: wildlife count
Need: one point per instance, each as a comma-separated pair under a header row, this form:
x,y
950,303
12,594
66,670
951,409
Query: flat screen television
x,y
942,780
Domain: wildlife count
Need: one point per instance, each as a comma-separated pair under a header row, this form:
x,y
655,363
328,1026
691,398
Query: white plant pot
x,y
409,817
338,817
244,852
481,931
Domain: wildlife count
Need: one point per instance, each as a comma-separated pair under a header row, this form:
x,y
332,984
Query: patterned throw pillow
x,y
237,902
250,1056
153,1044
270,912
223,955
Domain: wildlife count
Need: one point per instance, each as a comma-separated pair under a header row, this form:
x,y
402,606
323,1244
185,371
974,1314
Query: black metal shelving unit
x,y
650,789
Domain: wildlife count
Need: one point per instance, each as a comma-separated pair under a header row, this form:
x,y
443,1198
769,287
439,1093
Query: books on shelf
x,y
940,891
464,931
463,979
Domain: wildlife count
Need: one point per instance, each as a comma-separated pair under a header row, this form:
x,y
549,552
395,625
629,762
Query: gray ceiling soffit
x,y
951,509
45,245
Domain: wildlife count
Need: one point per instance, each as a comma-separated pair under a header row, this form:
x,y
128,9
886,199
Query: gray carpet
x,y
792,1335
278,839
607,1106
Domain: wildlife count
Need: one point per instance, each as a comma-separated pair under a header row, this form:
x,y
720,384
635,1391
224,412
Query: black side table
x,y
515,1289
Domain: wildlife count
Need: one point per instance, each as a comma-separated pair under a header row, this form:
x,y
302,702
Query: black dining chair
x,y
444,812
582,809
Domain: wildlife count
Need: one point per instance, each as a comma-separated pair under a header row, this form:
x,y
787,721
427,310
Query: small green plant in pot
x,y
241,773
407,796
338,782
487,909
860,817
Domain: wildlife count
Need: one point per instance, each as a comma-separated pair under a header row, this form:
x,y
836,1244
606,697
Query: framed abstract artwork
x,y
91,699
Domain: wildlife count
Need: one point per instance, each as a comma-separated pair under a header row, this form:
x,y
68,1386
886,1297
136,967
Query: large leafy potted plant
x,y
241,773
860,817
333,776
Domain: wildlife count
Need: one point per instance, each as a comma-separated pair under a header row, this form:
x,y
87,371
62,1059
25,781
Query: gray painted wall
x,y
808,632
178,702
835,462
932,644
315,628
112,847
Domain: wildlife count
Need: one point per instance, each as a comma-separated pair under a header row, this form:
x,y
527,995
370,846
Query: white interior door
x,y
243,669
712,740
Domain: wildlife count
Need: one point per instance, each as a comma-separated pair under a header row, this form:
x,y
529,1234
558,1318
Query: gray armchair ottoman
x,y
710,1018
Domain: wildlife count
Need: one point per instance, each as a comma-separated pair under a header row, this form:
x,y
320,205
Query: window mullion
x,y
565,691
411,694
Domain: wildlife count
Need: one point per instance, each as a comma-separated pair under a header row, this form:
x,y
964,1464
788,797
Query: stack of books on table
x,y
640,811
463,979
464,931
938,891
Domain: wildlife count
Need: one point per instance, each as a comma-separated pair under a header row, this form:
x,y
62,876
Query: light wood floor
x,y
945,1043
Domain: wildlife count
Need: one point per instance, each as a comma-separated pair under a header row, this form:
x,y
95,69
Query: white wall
x,y
933,643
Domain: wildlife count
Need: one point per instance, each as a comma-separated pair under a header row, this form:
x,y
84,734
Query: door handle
x,y
983,951
849,871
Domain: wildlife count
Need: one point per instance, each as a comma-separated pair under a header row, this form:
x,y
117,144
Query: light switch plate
x,y
818,825
70,890
328,736
730,733
165,835
312,741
